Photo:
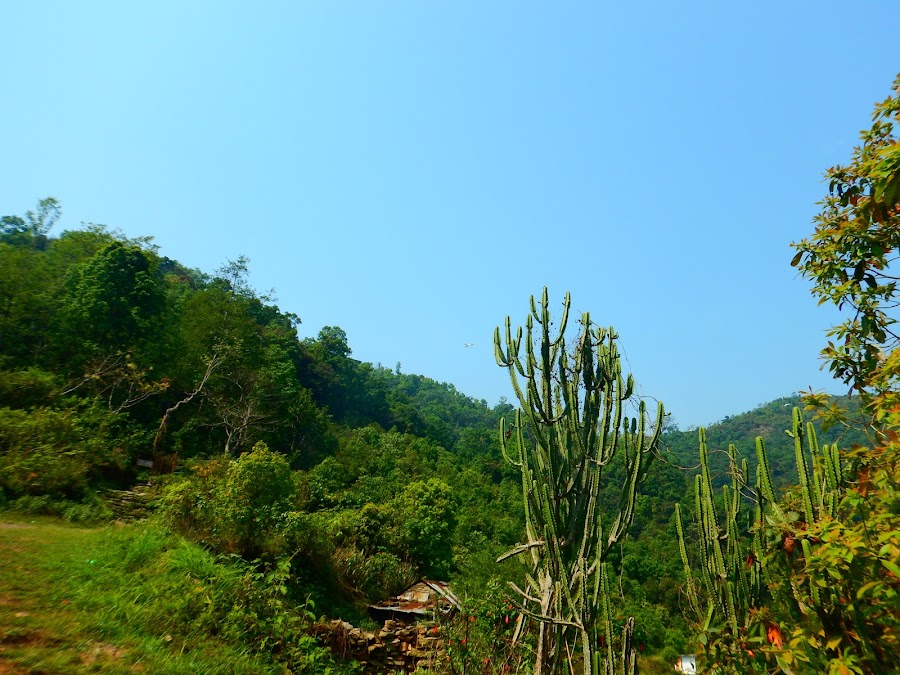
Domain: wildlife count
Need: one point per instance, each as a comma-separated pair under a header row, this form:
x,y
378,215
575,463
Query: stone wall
x,y
395,646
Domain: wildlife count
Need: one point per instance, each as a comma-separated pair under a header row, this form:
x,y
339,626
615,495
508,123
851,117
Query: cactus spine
x,y
571,425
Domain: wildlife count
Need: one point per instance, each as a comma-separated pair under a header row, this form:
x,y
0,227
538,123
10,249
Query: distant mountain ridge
x,y
770,421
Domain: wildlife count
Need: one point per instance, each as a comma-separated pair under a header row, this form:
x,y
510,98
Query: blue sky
x,y
413,171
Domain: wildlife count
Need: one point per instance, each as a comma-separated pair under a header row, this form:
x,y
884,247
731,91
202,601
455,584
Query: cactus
x,y
732,565
571,425
819,493
730,571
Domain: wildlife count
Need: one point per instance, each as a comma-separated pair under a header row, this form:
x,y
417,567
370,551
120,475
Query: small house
x,y
686,663
423,600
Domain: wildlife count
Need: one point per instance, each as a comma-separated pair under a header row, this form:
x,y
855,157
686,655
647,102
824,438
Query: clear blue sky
x,y
413,171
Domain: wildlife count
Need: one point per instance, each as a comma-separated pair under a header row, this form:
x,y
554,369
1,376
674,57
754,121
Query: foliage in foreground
x,y
812,580
821,587
190,594
849,259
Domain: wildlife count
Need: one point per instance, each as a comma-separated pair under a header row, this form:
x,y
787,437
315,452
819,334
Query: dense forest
x,y
324,482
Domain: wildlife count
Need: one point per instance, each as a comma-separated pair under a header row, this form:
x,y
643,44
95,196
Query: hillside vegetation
x,y
112,353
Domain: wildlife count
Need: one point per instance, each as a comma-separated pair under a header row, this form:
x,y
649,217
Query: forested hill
x,y
111,353
769,421
102,318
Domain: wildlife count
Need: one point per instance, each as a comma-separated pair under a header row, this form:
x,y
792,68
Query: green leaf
x,y
865,588
892,567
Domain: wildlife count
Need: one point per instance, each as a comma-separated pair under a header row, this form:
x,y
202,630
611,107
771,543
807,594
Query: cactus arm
x,y
802,469
690,591
817,485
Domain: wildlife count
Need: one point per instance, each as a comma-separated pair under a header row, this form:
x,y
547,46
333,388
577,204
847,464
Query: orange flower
x,y
789,542
773,634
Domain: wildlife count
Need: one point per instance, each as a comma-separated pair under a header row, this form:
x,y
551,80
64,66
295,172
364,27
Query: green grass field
x,y
116,599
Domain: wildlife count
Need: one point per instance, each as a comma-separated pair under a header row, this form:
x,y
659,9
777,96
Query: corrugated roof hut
x,y
418,602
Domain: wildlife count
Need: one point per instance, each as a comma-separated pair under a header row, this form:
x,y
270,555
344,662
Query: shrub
x,y
235,506
257,493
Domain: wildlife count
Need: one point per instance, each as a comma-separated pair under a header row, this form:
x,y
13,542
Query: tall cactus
x,y
729,568
733,563
572,424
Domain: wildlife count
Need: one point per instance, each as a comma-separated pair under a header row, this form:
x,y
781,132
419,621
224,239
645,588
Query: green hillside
x,y
769,421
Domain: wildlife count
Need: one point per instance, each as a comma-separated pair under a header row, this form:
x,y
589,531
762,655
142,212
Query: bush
x,y
378,576
189,505
62,453
235,506
160,584
41,454
27,388
257,493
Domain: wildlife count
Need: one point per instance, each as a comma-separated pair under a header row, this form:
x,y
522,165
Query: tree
x,y
31,230
220,359
333,346
850,254
425,520
114,298
256,495
572,426
25,302
849,258
111,307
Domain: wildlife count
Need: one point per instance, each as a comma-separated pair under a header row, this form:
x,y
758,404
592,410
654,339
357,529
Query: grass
x,y
116,599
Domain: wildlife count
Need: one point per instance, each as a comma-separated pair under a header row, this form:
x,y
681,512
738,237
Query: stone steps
x,y
129,505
